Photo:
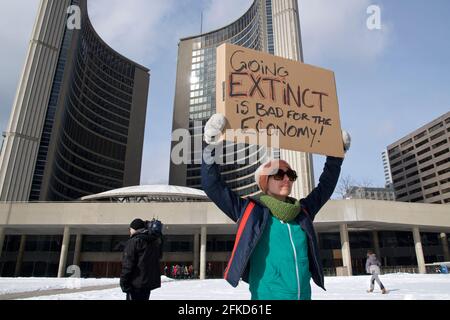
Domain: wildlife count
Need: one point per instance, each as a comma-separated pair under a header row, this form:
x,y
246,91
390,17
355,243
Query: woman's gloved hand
x,y
214,129
347,139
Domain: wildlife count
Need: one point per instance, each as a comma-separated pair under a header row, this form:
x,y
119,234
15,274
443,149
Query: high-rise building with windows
x,y
271,26
420,163
387,169
77,122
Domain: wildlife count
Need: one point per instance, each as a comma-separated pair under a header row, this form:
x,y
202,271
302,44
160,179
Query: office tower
x,y
387,169
420,163
270,26
77,122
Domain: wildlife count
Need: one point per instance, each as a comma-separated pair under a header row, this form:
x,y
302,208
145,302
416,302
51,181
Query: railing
x,y
329,272
399,269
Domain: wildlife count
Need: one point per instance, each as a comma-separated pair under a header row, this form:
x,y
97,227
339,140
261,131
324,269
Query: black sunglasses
x,y
292,175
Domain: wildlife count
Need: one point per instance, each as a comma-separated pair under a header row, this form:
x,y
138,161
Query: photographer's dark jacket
x,y
252,217
140,262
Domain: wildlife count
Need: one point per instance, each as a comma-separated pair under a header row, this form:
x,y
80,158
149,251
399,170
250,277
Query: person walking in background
x,y
140,262
209,270
373,267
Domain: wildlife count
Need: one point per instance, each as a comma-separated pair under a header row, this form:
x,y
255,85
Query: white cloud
x,y
338,29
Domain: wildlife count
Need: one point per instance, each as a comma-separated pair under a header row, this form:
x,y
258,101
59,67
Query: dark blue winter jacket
x,y
252,216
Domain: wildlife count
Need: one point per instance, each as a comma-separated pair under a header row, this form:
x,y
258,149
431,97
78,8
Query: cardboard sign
x,y
258,92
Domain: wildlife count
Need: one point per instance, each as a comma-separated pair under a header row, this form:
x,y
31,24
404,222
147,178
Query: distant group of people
x,y
441,269
179,271
182,271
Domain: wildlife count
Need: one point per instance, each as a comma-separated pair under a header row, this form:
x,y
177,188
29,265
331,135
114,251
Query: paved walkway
x,y
33,294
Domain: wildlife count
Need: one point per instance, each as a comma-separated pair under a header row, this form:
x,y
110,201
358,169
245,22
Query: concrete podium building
x,y
43,239
370,193
271,26
77,122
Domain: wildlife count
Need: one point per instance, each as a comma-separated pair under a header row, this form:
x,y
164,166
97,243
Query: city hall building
x,y
43,239
75,137
271,26
77,122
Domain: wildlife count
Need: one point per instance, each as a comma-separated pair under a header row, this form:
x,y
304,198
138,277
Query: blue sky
x,y
390,81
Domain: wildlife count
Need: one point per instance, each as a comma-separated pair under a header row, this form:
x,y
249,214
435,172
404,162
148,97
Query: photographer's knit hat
x,y
266,169
137,224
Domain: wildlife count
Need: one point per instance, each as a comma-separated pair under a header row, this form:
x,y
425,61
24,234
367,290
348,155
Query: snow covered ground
x,y
15,285
400,286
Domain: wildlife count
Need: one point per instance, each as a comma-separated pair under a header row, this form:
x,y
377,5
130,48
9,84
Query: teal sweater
x,y
277,272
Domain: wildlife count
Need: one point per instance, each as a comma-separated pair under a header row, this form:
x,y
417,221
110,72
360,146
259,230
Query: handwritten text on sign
x,y
262,92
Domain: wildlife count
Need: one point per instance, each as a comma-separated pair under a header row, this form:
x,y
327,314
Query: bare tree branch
x,y
346,183
344,186
365,183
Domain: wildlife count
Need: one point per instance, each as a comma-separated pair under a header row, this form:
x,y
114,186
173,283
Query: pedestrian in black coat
x,y
140,263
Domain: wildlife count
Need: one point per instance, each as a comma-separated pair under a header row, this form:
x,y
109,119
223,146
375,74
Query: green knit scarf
x,y
284,211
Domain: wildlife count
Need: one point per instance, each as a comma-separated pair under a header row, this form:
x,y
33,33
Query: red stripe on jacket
x,y
247,212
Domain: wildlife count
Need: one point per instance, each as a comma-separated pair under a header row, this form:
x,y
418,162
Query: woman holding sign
x,y
276,249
